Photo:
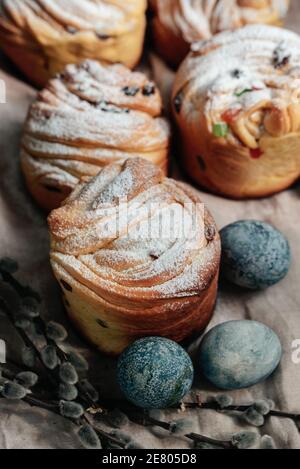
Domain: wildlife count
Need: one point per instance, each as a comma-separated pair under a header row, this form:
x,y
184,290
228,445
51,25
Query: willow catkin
x,y
89,437
11,390
71,410
67,392
68,374
244,439
78,361
253,417
56,331
49,357
28,379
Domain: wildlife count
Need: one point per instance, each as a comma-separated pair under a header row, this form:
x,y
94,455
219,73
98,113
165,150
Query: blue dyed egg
x,y
254,254
239,354
155,373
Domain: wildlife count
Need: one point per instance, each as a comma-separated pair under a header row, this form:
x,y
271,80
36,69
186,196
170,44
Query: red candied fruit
x,y
256,153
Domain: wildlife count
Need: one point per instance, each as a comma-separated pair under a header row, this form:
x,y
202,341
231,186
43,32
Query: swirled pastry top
x,y
199,19
243,84
131,233
90,116
52,18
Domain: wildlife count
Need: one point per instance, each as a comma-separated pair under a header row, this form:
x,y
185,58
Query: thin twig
x,y
239,408
23,291
205,439
192,436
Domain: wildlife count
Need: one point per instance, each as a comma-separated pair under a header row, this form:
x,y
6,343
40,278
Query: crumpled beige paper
x,y
23,235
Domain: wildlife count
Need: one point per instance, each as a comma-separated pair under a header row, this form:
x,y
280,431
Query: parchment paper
x,y
24,236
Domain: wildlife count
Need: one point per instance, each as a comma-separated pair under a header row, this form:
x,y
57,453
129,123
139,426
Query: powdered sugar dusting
x,y
194,20
91,116
102,17
156,251
239,73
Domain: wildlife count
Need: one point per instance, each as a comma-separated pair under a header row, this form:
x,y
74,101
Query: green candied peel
x,y
220,129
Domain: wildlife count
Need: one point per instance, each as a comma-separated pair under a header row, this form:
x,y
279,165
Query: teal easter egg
x,y
255,255
239,354
155,373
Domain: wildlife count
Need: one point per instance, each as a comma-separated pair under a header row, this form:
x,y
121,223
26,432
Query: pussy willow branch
x,y
27,341
52,374
137,417
64,358
127,407
239,408
53,406
11,369
192,436
21,290
142,419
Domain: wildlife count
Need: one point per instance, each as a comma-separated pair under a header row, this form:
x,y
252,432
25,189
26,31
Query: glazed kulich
x,y
42,36
236,101
136,254
88,117
178,23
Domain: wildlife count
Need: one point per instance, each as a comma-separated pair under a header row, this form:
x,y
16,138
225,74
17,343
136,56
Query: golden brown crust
x,y
236,101
124,284
178,23
43,36
86,118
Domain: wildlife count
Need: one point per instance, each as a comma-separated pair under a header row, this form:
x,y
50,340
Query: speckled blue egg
x,y
254,254
155,373
239,354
